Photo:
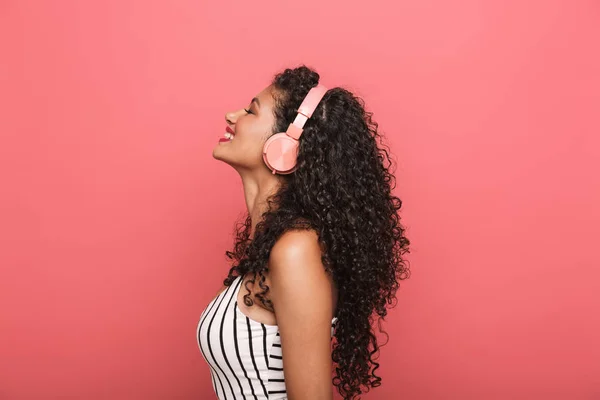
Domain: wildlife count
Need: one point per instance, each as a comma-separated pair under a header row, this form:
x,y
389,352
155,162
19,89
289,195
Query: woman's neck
x,y
257,189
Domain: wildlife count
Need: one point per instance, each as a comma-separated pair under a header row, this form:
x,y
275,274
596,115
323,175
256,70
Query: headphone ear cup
x,y
280,152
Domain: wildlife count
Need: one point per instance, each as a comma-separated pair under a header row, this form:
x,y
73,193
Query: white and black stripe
x,y
244,356
202,320
276,377
237,351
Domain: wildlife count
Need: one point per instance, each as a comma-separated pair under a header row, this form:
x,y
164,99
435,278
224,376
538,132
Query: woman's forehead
x,y
266,96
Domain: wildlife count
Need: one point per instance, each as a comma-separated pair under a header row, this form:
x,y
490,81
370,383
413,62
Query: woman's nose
x,y
230,117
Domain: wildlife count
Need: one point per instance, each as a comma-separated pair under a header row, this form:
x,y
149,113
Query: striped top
x,y
244,355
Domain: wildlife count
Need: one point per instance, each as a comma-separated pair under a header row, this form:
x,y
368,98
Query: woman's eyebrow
x,y
256,101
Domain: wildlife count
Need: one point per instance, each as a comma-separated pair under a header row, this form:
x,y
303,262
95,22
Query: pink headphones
x,y
281,149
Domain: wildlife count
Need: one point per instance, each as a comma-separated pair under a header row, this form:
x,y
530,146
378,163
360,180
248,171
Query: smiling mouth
x,y
228,137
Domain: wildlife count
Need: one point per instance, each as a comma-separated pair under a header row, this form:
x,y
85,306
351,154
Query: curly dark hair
x,y
342,189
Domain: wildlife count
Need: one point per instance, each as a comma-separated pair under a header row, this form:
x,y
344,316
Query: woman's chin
x,y
218,154
218,151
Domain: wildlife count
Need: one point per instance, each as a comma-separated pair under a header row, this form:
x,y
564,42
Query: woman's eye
x,y
247,111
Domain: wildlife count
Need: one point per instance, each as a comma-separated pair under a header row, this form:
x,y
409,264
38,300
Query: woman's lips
x,y
229,134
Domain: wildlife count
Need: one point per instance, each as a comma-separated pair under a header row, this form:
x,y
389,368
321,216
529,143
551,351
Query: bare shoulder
x,y
297,273
294,246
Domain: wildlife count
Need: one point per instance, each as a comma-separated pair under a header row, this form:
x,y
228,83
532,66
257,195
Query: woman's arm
x,y
301,292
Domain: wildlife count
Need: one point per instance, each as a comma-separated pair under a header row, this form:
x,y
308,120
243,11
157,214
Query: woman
x,y
319,255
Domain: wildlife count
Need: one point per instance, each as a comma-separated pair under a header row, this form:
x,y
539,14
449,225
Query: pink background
x,y
115,218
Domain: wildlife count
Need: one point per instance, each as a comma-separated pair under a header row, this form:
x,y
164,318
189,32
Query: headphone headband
x,y
305,111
